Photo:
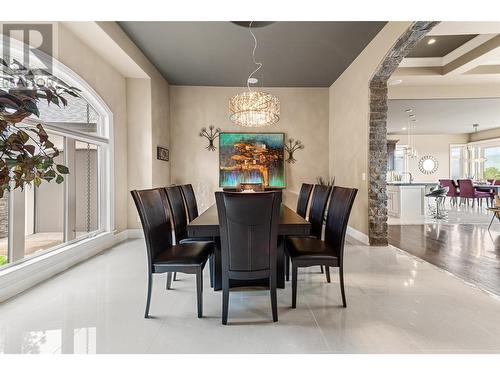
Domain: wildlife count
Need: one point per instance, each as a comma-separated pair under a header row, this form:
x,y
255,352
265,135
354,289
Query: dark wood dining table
x,y
207,225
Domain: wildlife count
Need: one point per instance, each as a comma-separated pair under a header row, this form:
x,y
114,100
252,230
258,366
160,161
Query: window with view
x,y
40,219
491,162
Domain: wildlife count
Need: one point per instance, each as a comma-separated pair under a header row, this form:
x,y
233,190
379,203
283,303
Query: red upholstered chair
x,y
452,189
468,191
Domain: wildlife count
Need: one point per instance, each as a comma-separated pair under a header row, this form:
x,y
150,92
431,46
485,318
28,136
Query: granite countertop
x,y
396,183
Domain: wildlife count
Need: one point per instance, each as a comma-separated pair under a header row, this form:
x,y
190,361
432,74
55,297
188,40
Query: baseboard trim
x,y
18,278
357,235
135,233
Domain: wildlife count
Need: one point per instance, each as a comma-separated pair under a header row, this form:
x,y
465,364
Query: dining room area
x,y
172,187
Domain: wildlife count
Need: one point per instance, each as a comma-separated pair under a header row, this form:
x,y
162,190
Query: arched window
x,y
45,218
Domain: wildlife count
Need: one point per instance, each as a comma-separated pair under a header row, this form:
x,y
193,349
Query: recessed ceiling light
x,y
404,128
408,110
395,82
431,41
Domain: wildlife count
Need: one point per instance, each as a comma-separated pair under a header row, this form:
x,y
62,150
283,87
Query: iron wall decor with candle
x,y
290,147
210,136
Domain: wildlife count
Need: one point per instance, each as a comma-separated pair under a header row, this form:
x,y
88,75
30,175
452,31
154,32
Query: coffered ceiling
x,y
294,54
454,53
443,116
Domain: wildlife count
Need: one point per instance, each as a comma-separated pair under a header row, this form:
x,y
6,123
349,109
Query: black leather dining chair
x,y
179,220
303,201
190,199
163,255
249,235
319,200
310,251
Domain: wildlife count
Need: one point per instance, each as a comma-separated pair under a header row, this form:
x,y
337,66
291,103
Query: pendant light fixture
x,y
411,149
254,109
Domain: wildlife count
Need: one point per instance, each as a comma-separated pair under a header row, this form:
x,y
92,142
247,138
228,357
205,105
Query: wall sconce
x,y
210,136
291,147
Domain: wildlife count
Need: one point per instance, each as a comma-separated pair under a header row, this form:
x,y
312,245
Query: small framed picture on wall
x,y
162,153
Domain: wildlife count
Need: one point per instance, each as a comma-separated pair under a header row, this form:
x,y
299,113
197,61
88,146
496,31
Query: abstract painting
x,y
252,157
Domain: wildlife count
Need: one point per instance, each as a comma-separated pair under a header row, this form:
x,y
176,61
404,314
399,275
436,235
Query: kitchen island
x,y
406,200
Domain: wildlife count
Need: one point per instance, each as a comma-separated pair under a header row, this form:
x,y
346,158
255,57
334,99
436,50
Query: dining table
x,y
207,225
487,186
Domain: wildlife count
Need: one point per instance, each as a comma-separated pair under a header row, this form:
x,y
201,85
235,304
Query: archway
x,y
377,153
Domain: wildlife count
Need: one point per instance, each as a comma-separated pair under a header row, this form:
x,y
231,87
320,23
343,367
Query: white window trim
x,y
30,271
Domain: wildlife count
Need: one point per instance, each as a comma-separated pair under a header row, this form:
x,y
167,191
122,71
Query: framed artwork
x,y
162,153
252,158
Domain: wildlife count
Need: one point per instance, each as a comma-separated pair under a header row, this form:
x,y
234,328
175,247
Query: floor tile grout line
x,y
319,327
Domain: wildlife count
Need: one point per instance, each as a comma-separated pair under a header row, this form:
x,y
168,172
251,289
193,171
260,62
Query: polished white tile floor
x,y
396,304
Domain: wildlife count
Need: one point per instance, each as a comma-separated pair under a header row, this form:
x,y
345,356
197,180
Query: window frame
x,y
106,198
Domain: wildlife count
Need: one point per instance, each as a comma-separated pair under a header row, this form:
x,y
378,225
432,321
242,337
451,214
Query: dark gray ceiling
x,y
295,54
443,45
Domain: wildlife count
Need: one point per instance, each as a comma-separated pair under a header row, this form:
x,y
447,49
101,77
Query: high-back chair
x,y
180,221
319,199
303,201
310,251
468,191
178,210
452,189
249,235
163,256
190,199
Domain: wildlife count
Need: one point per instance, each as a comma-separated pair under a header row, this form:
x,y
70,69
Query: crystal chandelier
x,y
251,108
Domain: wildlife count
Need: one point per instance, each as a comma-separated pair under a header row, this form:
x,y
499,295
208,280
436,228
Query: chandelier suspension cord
x,y
259,64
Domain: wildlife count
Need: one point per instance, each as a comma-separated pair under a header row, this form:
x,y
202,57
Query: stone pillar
x,y
377,153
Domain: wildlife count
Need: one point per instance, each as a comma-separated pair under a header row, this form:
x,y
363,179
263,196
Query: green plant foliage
x,y
492,173
3,260
27,154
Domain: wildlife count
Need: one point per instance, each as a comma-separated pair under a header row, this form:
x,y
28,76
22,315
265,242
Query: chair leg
x,y
327,270
274,302
199,292
175,276
287,267
491,222
321,269
211,269
341,276
148,298
169,280
294,286
225,299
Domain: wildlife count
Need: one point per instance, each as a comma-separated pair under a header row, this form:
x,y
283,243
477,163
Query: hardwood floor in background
x,y
468,251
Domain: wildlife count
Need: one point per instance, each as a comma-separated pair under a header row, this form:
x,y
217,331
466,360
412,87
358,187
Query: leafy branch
x,y
26,153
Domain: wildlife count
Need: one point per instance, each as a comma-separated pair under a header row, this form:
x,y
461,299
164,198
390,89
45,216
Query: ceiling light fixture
x,y
411,149
431,41
254,109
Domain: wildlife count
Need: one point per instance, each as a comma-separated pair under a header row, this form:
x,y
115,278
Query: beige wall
x,y
349,120
437,145
304,116
111,87
137,94
484,135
